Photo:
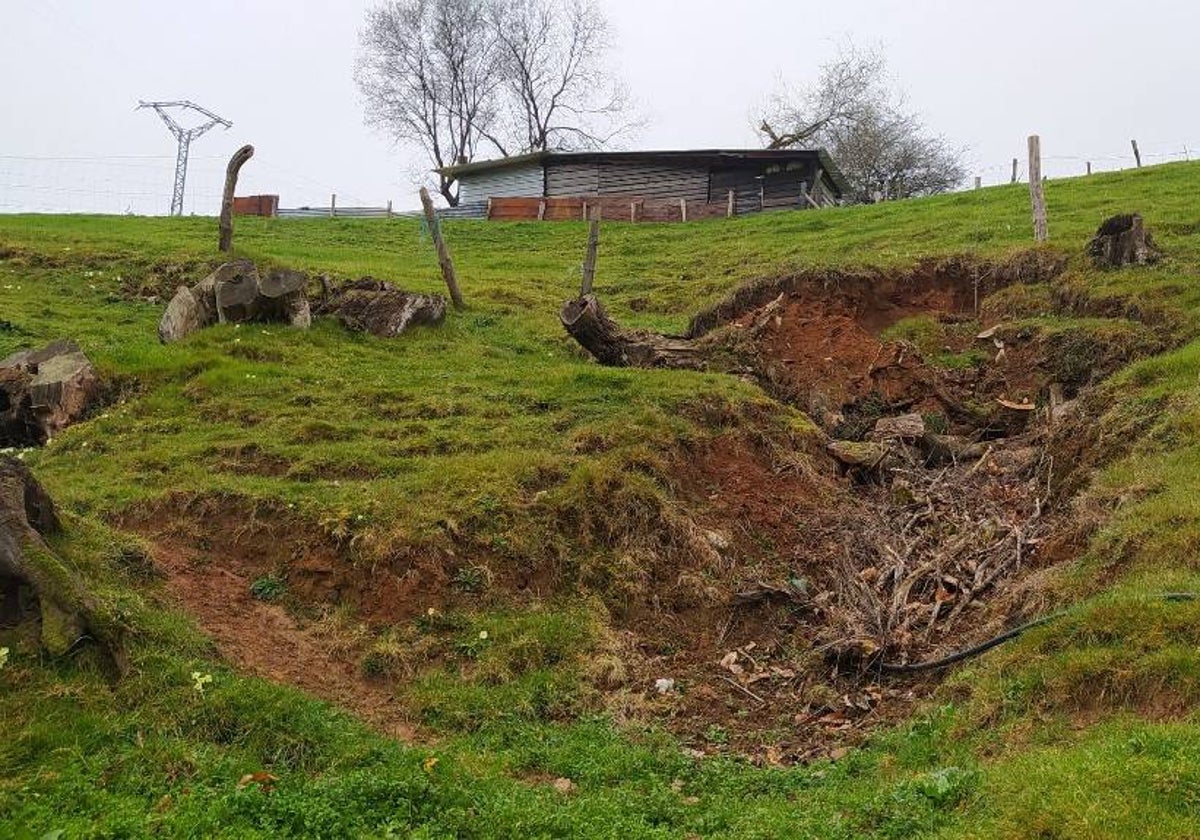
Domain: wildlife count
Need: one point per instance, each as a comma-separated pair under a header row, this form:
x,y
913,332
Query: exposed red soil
x,y
754,594
211,578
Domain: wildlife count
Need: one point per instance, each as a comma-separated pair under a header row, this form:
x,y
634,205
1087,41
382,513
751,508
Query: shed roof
x,y
703,157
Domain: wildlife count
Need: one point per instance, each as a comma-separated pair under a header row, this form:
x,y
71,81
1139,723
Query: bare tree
x,y
459,76
887,154
845,89
427,72
552,56
883,150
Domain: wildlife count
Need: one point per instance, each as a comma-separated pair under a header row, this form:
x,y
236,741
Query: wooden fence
x,y
608,208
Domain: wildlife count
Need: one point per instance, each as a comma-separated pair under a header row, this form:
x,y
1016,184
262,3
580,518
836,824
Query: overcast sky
x,y
1088,76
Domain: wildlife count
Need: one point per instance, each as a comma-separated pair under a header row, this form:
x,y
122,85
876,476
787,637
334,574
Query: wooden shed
x,y
649,186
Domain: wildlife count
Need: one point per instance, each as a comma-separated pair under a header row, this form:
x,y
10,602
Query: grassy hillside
x,y
499,472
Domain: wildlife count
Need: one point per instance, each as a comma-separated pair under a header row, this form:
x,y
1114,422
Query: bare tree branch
x,y
883,150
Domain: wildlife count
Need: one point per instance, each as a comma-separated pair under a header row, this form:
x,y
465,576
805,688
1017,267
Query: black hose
x,y
900,669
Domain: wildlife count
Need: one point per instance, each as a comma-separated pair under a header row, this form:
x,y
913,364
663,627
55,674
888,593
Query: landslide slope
x,y
476,540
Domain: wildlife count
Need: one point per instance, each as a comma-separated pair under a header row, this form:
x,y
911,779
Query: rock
x,y
858,453
664,685
1123,240
904,427
44,391
373,306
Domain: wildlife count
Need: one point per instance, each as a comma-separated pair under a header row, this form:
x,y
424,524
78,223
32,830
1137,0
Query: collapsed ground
x,y
479,533
911,520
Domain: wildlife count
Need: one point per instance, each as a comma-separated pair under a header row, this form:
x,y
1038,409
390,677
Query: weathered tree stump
x,y
589,324
44,391
378,307
68,613
1123,240
236,293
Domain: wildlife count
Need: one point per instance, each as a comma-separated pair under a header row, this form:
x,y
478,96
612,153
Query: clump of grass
x,y
268,588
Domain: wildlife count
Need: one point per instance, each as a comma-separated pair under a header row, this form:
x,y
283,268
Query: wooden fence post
x,y
731,209
1089,165
389,210
1014,175
584,214
225,224
333,205
633,211
589,259
1036,193
683,209
541,211
435,230
1137,155
978,182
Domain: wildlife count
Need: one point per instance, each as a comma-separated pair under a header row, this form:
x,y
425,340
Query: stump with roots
x,y
589,324
30,571
1121,241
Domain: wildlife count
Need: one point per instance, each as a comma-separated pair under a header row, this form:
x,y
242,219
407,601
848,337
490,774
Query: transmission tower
x,y
184,136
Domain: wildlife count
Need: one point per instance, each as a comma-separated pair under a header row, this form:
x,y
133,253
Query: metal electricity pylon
x,y
184,136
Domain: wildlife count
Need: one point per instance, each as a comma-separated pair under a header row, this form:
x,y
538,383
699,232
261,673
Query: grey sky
x,y
1088,76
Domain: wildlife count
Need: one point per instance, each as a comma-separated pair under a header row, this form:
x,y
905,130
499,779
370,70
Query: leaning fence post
x,y
225,224
443,253
589,259
1036,192
1137,155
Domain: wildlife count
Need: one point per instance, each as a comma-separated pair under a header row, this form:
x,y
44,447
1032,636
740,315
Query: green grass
x,y
486,436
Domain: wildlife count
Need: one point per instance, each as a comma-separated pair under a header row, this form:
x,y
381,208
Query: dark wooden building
x,y
652,186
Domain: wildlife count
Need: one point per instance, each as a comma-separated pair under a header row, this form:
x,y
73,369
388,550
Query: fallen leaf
x,y
264,780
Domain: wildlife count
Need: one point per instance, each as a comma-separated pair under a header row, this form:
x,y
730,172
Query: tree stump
x,y
589,324
377,307
1123,240
68,613
44,391
237,293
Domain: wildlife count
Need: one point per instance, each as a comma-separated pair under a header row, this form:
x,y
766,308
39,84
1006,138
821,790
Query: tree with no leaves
x,y
457,77
427,74
552,64
883,150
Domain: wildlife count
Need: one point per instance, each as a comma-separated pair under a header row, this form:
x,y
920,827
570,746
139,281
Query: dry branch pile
x,y
929,543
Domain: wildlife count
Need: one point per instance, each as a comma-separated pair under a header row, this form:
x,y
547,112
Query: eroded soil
x,y
787,574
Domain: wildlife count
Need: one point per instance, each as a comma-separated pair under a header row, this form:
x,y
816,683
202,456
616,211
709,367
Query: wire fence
x,y
141,184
